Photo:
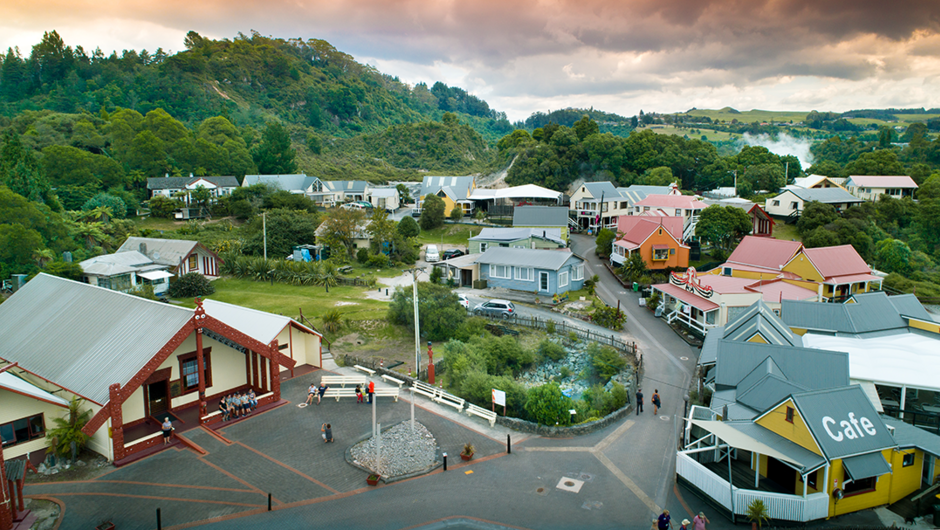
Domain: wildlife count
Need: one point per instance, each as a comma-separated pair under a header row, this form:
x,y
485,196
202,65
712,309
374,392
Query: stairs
x,y
689,231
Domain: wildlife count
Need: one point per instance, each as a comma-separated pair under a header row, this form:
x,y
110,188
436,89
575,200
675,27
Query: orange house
x,y
656,238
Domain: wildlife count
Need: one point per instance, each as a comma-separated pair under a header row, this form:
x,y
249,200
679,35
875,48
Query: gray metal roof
x,y
163,251
866,466
759,318
909,306
709,353
766,392
808,459
596,189
870,313
808,367
527,257
178,183
835,408
458,188
346,186
384,192
517,234
84,338
825,195
119,263
539,216
297,183
906,435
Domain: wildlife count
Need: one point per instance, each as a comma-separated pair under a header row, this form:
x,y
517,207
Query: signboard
x,y
499,397
691,283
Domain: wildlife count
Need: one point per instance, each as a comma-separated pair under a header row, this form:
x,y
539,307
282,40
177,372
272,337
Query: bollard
x,y
508,444
159,525
269,502
445,461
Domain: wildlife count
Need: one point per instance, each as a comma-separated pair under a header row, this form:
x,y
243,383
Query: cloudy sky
x,y
527,55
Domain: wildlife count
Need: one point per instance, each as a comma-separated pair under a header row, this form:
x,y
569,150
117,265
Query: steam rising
x,y
783,145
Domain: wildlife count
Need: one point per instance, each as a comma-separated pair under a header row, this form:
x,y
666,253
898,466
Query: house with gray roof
x,y
544,272
346,191
541,217
792,201
179,256
170,187
454,191
126,272
536,238
596,205
300,184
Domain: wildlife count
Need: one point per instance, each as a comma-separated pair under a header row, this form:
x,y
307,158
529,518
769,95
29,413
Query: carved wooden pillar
x,y
264,375
117,420
275,378
254,369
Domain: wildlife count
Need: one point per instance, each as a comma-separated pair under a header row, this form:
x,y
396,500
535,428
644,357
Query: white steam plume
x,y
783,145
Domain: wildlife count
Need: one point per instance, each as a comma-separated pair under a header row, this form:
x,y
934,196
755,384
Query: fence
x,y
564,328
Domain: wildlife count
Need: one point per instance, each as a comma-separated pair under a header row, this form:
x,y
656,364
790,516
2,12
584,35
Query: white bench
x,y
488,415
369,371
386,392
339,393
438,395
343,380
392,380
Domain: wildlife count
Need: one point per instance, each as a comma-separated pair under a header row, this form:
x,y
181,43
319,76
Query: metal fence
x,y
564,328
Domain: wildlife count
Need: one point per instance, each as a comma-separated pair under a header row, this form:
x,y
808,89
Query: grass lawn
x,y
159,223
452,235
287,300
785,231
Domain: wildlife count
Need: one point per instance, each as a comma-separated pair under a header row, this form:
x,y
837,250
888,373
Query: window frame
x,y
494,275
904,460
564,275
192,262
658,251
530,276
577,271
858,487
791,412
187,357
30,436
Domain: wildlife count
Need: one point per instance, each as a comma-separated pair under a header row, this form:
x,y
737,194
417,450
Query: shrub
x,y
653,301
548,406
605,360
432,212
379,261
332,320
69,429
551,350
362,255
440,314
456,214
609,317
408,227
436,275
564,372
164,206
550,326
191,285
470,328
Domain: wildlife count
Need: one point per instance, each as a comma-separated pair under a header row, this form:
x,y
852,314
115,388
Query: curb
x,y
388,480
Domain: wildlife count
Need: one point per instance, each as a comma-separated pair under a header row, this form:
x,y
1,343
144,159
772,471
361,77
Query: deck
x,y
742,476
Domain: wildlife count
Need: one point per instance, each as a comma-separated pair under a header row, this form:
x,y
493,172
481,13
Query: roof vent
x,y
142,248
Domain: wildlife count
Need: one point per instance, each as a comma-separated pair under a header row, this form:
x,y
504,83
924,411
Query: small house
x,y
544,272
299,184
454,191
536,238
596,205
792,201
871,188
386,198
657,239
542,217
687,207
126,272
170,187
346,191
179,255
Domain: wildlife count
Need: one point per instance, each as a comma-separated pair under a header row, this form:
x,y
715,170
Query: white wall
x,y
15,406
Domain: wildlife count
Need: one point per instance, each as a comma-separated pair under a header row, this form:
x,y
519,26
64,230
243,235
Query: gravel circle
x,y
403,452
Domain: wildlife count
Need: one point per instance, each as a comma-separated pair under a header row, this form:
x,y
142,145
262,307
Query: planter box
x,y
373,481
466,457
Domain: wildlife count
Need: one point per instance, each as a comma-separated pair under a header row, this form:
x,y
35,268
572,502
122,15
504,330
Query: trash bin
x,y
636,287
936,514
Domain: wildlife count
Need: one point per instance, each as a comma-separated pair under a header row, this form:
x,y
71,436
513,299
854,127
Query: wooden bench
x,y
386,392
426,390
488,415
340,393
364,369
343,380
438,395
392,380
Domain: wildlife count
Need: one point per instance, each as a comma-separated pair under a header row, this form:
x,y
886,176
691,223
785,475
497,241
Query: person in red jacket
x,y
371,390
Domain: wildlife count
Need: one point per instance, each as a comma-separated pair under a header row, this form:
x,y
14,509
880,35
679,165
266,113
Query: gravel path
x,y
403,452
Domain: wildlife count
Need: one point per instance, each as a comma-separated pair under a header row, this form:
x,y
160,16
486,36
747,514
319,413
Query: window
x,y
776,203
726,271
864,485
189,376
624,205
790,414
577,272
500,271
525,274
563,279
810,479
121,282
23,430
908,460
678,212
794,206
482,247
193,262
660,254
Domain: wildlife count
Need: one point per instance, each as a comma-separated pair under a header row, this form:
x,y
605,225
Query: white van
x,y
431,254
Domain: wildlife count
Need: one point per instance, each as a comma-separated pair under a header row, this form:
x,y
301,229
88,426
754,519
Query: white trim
x,y
529,276
577,272
560,282
548,281
508,272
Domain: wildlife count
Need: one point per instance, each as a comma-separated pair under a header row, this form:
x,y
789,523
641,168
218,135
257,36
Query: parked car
x,y
463,301
452,253
431,254
496,308
416,212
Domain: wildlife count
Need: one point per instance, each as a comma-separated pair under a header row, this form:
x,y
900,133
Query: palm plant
x,y
69,429
332,320
591,283
757,512
43,256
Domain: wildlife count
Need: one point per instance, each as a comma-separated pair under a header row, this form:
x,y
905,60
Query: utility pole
x,y
264,228
414,283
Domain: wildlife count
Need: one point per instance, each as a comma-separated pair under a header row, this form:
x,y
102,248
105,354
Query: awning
x,y
852,278
866,466
660,247
154,275
685,296
871,392
739,440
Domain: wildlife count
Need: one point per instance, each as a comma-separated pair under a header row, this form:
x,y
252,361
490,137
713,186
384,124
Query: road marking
x,y
664,418
470,472
612,437
683,358
640,494
560,449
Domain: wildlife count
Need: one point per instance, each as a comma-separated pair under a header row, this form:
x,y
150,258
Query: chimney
x,y
142,248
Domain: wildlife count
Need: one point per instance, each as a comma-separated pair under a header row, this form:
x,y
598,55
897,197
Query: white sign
x,y
499,397
850,428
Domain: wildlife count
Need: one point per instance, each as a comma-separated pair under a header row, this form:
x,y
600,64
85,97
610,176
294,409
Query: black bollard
x,y
269,502
159,526
508,444
445,461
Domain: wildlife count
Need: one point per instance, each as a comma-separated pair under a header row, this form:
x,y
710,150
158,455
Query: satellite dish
x,y
837,493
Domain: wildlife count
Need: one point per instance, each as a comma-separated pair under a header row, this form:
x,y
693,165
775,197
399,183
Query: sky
x,y
524,56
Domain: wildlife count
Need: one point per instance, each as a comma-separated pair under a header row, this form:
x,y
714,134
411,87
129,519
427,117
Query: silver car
x,y
496,308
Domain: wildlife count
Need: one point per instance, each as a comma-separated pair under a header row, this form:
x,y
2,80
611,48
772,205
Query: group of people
x,y
315,391
370,389
664,522
238,405
655,399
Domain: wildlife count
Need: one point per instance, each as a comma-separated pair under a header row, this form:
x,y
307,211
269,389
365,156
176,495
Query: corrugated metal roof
x,y
825,195
687,297
869,181
596,189
11,382
760,318
909,306
808,367
119,263
526,257
827,415
259,325
548,216
516,234
765,252
871,312
82,337
842,260
163,251
767,391
907,435
637,229
459,186
174,183
297,183
752,437
673,201
775,291
346,186
709,353
866,466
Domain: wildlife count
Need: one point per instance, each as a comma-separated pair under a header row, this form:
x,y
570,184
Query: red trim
x,y
7,367
159,375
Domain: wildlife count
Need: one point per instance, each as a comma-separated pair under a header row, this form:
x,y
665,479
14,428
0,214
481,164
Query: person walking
x,y
639,401
371,390
664,521
320,391
327,432
358,393
699,521
685,525
656,402
310,393
167,429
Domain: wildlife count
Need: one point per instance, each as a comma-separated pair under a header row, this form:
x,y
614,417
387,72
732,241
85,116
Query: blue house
x,y
540,271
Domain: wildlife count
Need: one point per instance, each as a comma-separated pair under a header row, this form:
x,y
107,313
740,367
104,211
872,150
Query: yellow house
x,y
134,362
453,190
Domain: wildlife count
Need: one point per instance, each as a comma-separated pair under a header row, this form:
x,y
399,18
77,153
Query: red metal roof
x,y
778,290
685,296
637,229
900,181
673,201
842,260
764,252
852,278
726,284
759,212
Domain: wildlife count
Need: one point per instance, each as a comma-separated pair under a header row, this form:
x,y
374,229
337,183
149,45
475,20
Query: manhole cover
x,y
683,358
592,505
664,418
301,405
540,490
570,484
587,477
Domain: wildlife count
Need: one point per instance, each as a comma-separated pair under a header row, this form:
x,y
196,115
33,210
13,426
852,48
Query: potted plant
x,y
757,513
373,479
467,452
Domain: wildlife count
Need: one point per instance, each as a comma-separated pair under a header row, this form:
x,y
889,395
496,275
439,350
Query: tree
x,y
314,143
432,212
585,127
285,228
274,155
439,312
657,176
548,406
164,207
104,200
820,237
342,227
403,193
880,162
766,177
605,239
893,256
382,229
723,226
408,227
68,429
191,285
815,214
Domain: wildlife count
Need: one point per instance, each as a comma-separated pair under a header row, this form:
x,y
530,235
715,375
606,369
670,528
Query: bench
x,y
364,369
340,393
386,392
392,380
426,390
487,415
345,269
343,380
438,395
